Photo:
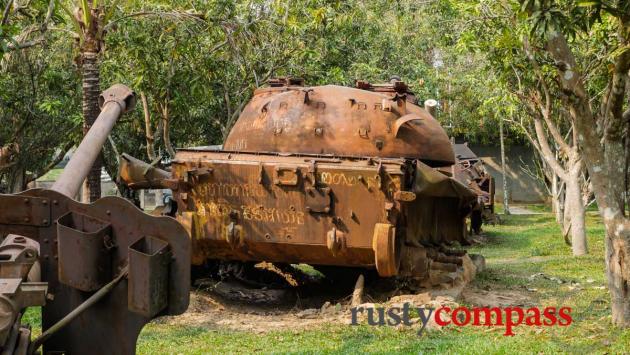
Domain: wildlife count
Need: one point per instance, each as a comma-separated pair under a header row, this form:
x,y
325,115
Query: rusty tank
x,y
471,171
329,176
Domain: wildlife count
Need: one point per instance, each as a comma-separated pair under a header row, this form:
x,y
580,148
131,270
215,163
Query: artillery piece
x,y
99,271
330,176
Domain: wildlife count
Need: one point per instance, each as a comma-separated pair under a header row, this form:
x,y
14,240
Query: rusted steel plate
x,y
282,222
87,243
149,258
25,210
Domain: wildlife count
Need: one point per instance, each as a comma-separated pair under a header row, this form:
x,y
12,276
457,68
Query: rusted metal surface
x,y
139,175
471,172
340,121
149,260
26,211
87,242
240,212
17,256
106,268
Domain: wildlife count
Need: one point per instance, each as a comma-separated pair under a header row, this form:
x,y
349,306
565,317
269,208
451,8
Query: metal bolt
x,y
45,202
267,236
319,131
26,200
26,219
55,202
108,212
45,221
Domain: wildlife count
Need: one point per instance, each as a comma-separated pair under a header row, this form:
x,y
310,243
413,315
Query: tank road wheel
x,y
386,250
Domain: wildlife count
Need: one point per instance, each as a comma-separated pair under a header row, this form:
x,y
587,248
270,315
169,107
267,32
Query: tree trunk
x,y
167,131
574,213
91,91
16,180
604,157
557,198
506,194
148,130
618,274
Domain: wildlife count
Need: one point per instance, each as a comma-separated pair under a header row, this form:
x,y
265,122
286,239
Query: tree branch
x,y
6,13
147,125
24,45
176,15
546,108
569,77
613,113
547,153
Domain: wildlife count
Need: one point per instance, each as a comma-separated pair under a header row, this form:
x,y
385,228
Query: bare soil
x,y
230,306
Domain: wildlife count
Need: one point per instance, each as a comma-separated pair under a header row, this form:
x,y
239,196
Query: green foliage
x,y
39,110
198,63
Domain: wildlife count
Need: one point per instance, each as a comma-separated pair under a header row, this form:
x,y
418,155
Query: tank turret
x,y
368,121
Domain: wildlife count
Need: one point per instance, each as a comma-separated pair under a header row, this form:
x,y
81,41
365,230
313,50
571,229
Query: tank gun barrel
x,y
113,102
137,174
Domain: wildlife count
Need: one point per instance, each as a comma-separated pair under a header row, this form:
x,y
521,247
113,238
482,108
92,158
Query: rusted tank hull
x,y
470,171
311,209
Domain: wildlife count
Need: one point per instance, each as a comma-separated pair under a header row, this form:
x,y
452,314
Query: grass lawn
x,y
517,249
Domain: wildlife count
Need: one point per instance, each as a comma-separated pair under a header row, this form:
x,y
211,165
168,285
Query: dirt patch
x,y
211,310
496,298
236,305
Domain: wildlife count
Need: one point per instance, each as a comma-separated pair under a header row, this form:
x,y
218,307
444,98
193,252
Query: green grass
x,y
52,175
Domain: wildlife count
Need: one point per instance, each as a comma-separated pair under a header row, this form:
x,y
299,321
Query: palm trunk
x,y
91,91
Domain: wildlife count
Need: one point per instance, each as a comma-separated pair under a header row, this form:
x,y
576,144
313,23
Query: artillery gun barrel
x,y
114,102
